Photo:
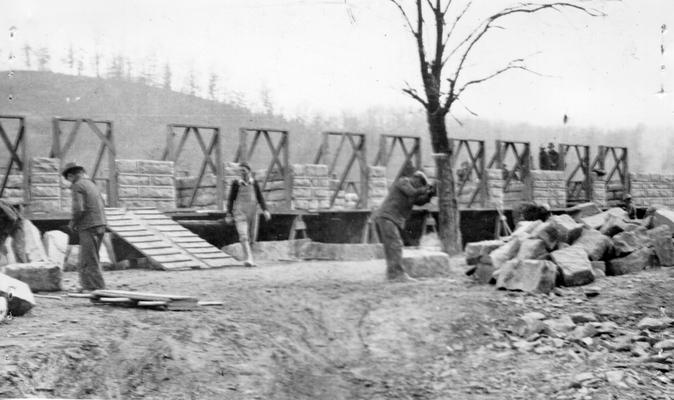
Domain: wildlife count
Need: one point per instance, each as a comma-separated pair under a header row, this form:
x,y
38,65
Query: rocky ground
x,y
336,330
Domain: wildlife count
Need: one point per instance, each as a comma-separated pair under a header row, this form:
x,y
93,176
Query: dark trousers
x,y
18,236
91,274
389,235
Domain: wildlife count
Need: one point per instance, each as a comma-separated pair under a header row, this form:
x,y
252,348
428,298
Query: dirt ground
x,y
327,330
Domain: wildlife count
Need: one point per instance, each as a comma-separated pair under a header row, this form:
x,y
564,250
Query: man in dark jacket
x,y
244,196
391,216
11,225
88,220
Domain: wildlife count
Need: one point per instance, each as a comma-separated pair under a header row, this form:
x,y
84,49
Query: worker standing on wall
x,y
390,219
244,196
88,220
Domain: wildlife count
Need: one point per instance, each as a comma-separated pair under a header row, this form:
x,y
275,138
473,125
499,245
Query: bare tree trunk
x,y
448,208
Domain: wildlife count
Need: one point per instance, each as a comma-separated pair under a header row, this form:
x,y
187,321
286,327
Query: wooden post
x,y
287,172
364,175
25,154
243,147
483,177
627,184
113,198
526,174
219,170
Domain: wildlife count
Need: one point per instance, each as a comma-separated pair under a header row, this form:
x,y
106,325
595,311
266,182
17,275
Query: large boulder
x,y
532,249
422,263
596,221
614,225
594,243
574,266
56,245
527,275
629,241
40,276
661,240
664,216
504,253
475,250
523,229
580,211
569,230
22,299
635,262
34,249
599,269
484,273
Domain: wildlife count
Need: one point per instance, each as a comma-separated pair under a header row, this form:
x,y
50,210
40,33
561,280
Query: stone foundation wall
x,y
311,187
146,183
45,186
549,187
377,186
650,189
13,192
599,193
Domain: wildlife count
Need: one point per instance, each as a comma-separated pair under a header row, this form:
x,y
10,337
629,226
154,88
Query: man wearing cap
x,y
629,207
88,220
391,216
244,196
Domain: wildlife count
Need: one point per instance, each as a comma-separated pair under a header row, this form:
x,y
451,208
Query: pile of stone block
x,y
648,189
14,188
549,187
377,186
146,183
45,187
572,251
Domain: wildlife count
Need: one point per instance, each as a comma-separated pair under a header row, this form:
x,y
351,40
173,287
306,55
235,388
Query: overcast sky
x,y
338,55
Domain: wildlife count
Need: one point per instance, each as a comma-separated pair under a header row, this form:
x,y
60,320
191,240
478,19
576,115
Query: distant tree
x,y
116,67
192,85
43,58
212,85
149,70
97,58
443,77
128,69
27,50
166,80
266,98
69,59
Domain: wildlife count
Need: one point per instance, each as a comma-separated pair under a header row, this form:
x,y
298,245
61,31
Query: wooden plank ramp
x,y
165,242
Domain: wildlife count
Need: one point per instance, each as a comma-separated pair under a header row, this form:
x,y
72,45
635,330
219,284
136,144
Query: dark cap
x,y
71,167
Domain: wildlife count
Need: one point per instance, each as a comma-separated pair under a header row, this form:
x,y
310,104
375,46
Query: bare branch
x,y
526,8
449,3
458,121
430,4
407,19
514,64
414,94
456,21
468,109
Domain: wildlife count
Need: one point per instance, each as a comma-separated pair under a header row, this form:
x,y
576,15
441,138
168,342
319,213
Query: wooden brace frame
x,y
61,148
213,150
279,151
17,154
620,165
577,190
520,171
410,146
358,150
475,150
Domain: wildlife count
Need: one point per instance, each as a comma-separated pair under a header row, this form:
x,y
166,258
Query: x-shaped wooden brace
x,y
275,151
204,163
356,149
474,163
13,154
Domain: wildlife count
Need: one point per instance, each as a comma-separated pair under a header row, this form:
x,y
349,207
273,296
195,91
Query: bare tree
x,y
27,50
69,59
97,62
442,61
212,85
43,58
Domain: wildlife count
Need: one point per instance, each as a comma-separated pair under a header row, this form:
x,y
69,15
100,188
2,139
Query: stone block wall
x,y
495,185
206,195
652,189
311,187
549,187
14,188
146,183
599,193
377,188
45,186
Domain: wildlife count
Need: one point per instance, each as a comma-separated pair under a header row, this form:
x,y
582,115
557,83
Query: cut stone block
x,y
594,243
548,233
596,221
574,266
634,262
583,210
569,230
484,273
419,263
527,275
523,229
664,216
22,298
475,250
40,276
35,251
614,225
661,240
44,164
504,253
628,242
55,244
599,269
532,249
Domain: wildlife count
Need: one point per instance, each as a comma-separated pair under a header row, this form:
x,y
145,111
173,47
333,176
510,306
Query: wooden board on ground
x,y
167,244
142,299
